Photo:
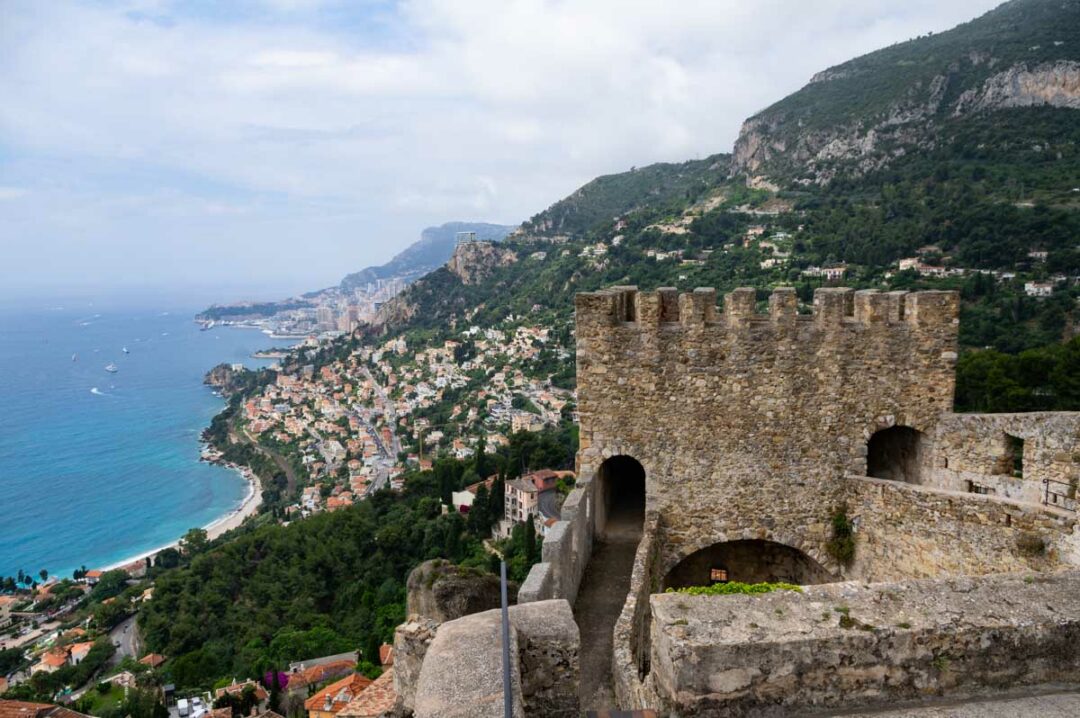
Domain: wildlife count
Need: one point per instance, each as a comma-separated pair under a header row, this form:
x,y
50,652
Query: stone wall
x,y
461,674
565,552
411,642
843,646
905,531
971,452
630,646
746,423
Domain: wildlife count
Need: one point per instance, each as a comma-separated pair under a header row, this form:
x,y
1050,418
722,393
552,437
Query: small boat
x,y
74,357
111,368
125,350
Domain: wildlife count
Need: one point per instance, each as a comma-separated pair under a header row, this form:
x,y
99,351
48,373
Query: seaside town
x,y
778,414
350,426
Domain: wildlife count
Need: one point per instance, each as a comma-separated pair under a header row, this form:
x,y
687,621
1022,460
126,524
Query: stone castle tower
x,y
732,444
746,422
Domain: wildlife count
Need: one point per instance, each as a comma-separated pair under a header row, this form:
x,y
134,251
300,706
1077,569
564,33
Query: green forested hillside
x,y
654,186
1028,31
333,582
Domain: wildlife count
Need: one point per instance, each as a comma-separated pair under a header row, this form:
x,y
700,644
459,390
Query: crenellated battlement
x,y
831,307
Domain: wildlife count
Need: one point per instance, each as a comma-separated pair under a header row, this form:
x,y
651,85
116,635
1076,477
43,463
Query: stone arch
x,y
897,453
619,496
749,560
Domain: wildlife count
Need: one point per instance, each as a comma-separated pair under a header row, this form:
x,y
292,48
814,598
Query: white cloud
x,y
431,111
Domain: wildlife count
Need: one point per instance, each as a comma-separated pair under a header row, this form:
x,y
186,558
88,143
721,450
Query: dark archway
x,y
896,454
620,498
748,561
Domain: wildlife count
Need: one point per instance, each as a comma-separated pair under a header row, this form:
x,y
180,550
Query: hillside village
x,y
436,423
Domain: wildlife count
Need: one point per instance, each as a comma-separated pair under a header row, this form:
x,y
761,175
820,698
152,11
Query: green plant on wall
x,y
736,587
841,545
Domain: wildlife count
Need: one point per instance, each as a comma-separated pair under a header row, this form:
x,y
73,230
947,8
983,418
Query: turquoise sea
x,y
95,466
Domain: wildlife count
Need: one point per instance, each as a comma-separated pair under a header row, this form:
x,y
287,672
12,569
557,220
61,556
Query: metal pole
x,y
508,700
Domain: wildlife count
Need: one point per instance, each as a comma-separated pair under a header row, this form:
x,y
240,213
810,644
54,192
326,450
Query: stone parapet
x,y
630,647
461,676
845,646
973,452
411,642
831,306
565,552
908,531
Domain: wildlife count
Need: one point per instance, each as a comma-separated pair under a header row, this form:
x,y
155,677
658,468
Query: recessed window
x,y
1014,447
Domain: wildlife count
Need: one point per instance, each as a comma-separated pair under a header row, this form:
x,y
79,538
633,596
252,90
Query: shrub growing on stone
x,y
842,544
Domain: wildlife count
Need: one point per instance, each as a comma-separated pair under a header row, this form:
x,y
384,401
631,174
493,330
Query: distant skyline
x,y
254,149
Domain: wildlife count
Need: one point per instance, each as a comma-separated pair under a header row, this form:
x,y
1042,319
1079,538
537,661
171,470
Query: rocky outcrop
x,y
441,591
776,143
1054,84
224,378
395,312
472,262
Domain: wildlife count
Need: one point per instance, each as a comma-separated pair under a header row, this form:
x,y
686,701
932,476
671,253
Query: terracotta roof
x,y
378,698
339,694
152,659
324,671
386,655
23,709
225,712
238,688
62,712
55,657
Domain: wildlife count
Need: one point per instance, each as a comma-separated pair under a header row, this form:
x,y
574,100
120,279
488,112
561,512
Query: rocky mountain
x,y
961,150
862,115
432,250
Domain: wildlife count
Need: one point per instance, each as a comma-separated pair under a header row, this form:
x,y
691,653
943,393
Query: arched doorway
x,y
896,454
748,561
620,498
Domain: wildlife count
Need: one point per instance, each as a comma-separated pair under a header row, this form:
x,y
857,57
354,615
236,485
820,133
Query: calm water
x,y
96,467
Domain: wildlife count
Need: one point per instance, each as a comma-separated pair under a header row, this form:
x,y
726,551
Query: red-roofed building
x,y
78,651
51,661
237,689
26,709
373,701
152,659
386,655
314,675
330,701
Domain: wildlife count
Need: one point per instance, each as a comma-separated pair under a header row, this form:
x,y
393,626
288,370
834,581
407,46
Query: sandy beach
x,y
214,529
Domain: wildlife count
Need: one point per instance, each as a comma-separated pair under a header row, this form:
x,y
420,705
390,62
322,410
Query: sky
x,y
259,148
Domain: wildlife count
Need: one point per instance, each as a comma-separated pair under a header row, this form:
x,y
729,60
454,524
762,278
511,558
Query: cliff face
x,y
1055,84
863,114
777,144
473,262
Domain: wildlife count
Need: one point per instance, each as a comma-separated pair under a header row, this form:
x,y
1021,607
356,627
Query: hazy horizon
x,y
260,149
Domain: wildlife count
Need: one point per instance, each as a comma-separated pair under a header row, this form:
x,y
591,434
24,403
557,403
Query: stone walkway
x,y
1063,704
599,601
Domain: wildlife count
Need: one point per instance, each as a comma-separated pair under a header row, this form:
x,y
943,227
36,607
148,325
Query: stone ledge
x,y
851,645
461,676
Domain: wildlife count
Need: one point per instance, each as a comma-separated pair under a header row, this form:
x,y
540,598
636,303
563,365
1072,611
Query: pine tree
x,y
530,540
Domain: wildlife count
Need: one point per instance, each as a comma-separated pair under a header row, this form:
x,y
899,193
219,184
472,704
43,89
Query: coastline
x,y
216,528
